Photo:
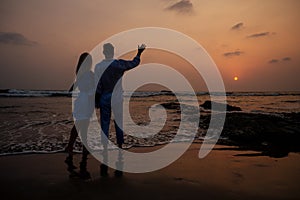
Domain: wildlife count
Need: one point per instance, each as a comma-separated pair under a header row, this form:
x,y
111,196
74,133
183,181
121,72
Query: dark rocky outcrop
x,y
167,93
272,135
174,105
217,106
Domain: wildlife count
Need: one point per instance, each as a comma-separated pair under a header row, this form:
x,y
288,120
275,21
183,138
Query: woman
x,y
83,99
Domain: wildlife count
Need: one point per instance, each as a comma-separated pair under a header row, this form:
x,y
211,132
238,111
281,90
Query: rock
x,y
171,105
167,93
4,90
273,135
207,105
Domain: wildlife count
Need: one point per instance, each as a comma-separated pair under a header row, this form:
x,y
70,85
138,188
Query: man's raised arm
x,y
127,65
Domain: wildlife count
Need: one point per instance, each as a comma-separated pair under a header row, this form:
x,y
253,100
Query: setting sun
x,y
235,78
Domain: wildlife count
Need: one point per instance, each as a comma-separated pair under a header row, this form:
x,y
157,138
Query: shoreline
x,y
272,135
220,175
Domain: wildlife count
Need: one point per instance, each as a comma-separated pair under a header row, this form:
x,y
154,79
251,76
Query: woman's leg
x,y
72,139
69,149
83,130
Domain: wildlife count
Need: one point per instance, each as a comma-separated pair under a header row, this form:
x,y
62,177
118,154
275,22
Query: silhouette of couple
x,y
96,90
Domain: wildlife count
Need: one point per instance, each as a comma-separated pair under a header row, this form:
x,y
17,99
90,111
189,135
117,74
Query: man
x,y
108,77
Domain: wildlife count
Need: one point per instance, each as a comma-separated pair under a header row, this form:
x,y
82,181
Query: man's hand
x,y
141,49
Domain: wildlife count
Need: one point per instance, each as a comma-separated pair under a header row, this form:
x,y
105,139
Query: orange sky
x,y
257,41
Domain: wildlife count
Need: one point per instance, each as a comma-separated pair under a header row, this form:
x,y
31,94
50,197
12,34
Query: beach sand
x,y
220,175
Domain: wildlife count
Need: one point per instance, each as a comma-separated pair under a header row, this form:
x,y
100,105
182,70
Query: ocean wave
x,y
34,93
255,131
263,94
292,101
65,93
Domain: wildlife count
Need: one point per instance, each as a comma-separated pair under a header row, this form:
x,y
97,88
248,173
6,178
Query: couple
x,y
104,81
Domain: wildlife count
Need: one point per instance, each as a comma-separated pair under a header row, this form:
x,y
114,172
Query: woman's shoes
x,y
69,162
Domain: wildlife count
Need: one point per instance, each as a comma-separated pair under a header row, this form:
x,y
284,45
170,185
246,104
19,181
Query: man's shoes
x,y
73,174
103,170
118,173
84,175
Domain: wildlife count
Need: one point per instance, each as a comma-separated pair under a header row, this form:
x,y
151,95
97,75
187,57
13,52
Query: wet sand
x,y
220,175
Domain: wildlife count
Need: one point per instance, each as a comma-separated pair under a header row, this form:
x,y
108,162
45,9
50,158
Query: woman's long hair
x,y
85,60
84,65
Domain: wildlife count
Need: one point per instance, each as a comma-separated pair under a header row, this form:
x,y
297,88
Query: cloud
x,y
15,39
286,59
257,35
273,61
238,26
182,7
233,53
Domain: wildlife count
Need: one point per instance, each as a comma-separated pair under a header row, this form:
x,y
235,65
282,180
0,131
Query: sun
x,y
236,78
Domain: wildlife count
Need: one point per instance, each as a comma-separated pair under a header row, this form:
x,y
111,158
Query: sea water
x,y
40,121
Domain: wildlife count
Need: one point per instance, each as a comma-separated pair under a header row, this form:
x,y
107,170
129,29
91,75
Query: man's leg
x,y
118,113
120,135
104,167
105,115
